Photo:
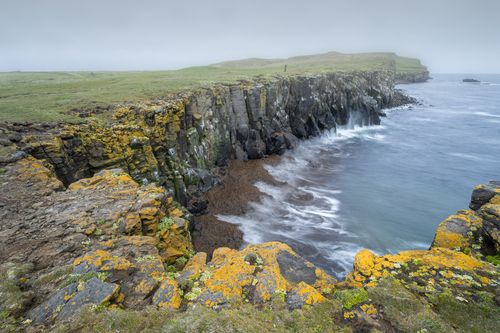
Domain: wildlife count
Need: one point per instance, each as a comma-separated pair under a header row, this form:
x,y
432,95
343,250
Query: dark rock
x,y
48,310
15,137
469,80
251,258
482,194
94,292
295,269
294,300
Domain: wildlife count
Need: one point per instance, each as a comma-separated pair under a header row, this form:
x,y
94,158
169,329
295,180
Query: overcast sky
x,y
447,35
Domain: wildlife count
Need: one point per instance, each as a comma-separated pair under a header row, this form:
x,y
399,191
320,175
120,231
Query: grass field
x,y
48,96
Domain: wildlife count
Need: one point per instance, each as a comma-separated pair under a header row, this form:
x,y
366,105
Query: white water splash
x,y
302,210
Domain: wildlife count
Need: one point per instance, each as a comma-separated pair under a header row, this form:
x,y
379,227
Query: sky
x,y
449,36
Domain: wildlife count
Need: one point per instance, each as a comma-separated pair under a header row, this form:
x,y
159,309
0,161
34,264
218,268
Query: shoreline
x,y
231,197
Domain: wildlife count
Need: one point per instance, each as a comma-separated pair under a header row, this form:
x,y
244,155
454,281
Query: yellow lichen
x,y
311,295
104,260
369,309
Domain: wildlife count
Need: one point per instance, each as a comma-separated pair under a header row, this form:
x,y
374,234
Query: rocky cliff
x,y
179,142
422,76
109,254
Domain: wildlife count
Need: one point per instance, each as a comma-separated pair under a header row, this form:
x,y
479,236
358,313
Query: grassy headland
x,y
48,96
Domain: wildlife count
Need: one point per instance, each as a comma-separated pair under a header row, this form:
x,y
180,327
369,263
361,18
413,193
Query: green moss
x,y
481,316
8,323
100,221
351,297
78,278
403,310
145,258
165,223
53,276
495,260
12,298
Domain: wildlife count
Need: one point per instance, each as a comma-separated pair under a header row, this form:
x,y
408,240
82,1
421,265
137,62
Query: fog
x,y
447,35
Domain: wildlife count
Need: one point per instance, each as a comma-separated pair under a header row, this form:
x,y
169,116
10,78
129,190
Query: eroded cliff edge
x,y
179,142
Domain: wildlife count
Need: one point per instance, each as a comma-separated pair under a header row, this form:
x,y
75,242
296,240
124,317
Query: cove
x,y
384,187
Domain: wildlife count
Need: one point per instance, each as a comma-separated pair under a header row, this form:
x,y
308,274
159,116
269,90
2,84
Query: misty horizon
x,y
54,35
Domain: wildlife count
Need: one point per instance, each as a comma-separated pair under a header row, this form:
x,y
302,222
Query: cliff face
x,y
179,141
412,78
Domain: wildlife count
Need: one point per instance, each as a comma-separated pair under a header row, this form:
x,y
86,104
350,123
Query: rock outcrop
x,y
419,77
177,141
105,240
457,276
469,80
112,243
255,274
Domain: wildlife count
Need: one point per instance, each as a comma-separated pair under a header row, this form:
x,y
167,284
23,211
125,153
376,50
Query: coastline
x,y
236,189
231,197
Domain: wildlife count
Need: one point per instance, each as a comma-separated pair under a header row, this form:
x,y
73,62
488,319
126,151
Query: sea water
x,y
387,187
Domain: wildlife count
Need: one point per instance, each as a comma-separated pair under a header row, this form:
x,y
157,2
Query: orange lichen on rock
x,y
103,260
309,294
230,278
194,267
29,169
369,309
116,179
458,231
167,295
368,267
258,273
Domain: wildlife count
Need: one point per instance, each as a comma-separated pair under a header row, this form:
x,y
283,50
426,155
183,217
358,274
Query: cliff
x,y
179,142
109,254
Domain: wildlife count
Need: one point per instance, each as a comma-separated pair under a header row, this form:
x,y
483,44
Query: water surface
x,y
385,187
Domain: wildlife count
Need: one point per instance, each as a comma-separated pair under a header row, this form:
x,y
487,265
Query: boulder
x,y
461,232
48,310
167,295
93,292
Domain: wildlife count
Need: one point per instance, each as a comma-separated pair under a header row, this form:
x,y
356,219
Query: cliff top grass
x,y
49,96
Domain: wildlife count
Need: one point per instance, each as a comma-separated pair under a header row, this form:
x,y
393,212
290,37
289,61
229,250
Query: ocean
x,y
387,187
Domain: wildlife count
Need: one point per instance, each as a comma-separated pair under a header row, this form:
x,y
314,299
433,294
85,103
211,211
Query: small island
x,y
468,80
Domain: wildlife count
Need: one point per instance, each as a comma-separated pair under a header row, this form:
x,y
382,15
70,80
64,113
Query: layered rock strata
x,y
179,141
